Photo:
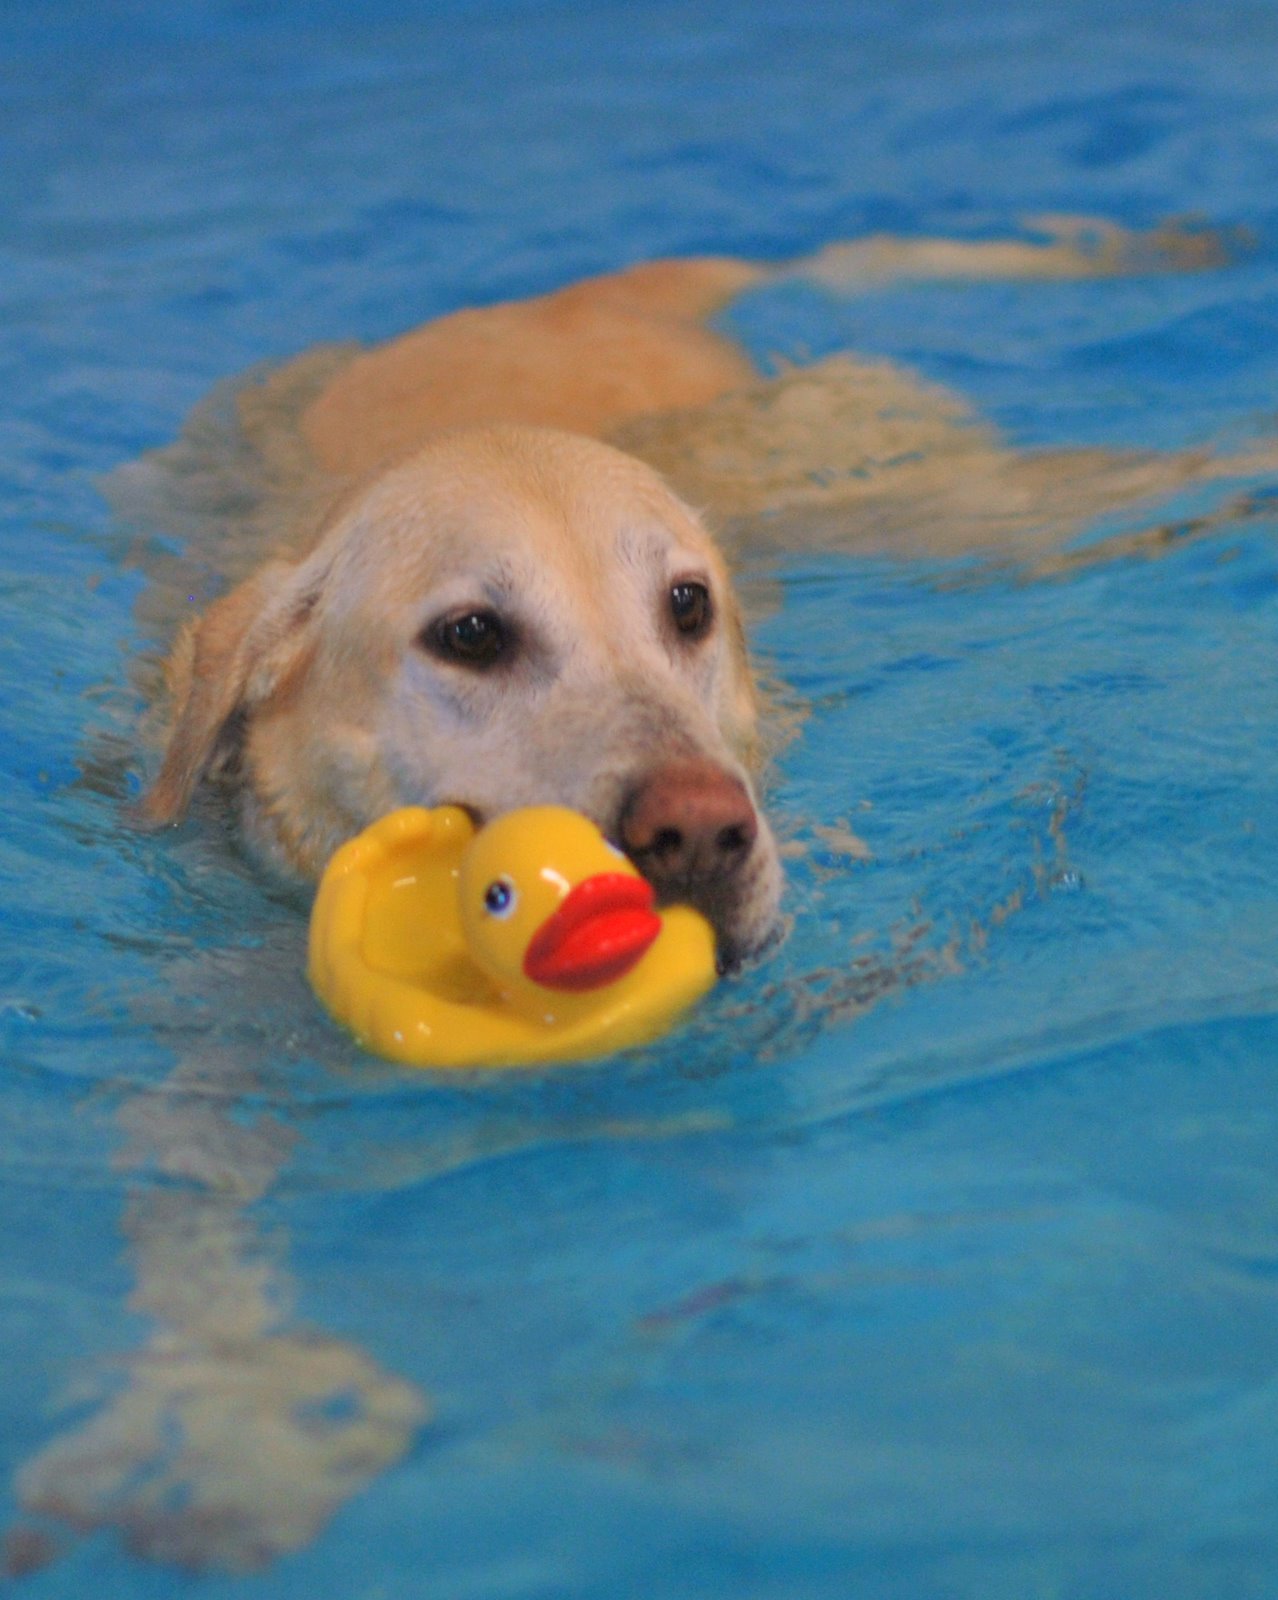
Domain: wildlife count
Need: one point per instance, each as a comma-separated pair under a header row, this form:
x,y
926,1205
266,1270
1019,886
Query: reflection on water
x,y
237,1430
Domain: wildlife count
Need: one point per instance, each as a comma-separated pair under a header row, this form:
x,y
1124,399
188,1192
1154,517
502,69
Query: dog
x,y
502,601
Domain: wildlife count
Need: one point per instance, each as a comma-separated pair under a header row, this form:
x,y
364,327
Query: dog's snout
x,y
688,825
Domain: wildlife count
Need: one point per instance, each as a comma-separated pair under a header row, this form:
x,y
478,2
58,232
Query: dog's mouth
x,y
731,955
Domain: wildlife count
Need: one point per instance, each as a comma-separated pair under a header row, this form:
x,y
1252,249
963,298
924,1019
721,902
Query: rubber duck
x,y
529,940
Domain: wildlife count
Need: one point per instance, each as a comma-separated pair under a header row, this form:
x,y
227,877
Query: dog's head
x,y
511,617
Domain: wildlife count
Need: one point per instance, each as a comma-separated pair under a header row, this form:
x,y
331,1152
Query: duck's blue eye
x,y
499,898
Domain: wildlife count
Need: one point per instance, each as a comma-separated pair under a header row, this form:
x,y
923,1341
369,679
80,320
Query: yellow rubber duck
x,y
529,940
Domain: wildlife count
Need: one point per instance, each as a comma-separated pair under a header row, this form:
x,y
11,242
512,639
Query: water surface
x,y
938,1256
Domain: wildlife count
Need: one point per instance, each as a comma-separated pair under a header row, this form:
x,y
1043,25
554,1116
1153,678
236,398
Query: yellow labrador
x,y
494,606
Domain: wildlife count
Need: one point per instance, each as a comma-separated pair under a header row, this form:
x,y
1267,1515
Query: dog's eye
x,y
691,608
470,638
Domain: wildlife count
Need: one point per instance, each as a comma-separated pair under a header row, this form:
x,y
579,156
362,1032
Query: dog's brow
x,y
500,583
494,583
649,545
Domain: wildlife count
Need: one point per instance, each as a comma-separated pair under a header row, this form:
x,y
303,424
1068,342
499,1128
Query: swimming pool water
x,y
936,1256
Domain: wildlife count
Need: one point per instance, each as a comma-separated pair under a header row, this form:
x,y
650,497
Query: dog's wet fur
x,y
471,570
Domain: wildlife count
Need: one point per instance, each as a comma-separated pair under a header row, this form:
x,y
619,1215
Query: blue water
x,y
936,1257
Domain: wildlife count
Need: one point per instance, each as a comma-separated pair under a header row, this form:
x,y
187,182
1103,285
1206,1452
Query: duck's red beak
x,y
598,933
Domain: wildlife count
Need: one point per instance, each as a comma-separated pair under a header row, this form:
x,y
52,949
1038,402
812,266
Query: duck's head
x,y
548,905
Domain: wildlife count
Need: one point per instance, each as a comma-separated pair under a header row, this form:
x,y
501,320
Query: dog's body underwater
x,y
496,606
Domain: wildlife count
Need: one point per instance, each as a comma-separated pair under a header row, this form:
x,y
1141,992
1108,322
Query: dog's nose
x,y
688,825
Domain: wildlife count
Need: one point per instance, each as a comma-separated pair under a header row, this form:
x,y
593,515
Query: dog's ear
x,y
225,664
